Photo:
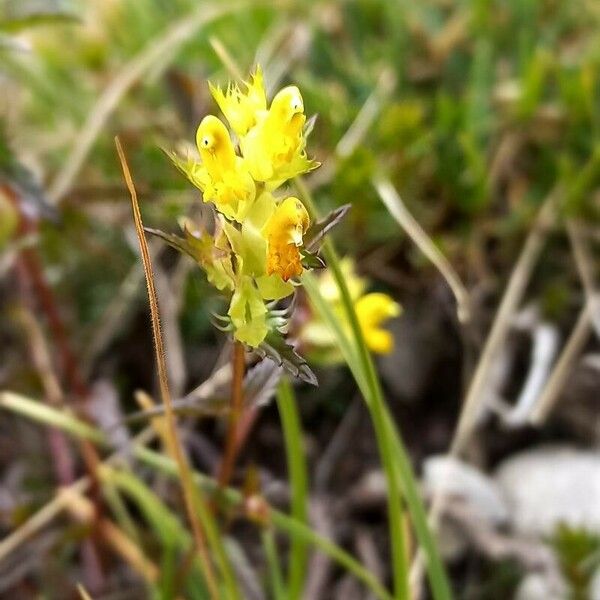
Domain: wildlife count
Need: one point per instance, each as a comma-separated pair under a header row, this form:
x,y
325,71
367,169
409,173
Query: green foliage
x,y
16,15
578,552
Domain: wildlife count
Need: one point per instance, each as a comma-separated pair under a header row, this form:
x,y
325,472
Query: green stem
x,y
275,577
292,433
395,459
376,405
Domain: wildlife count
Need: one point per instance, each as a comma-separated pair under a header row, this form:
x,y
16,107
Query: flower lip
x,y
211,134
288,101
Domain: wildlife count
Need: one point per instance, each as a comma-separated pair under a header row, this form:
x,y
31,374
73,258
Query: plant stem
x,y
238,363
395,458
189,491
362,360
273,564
376,405
292,434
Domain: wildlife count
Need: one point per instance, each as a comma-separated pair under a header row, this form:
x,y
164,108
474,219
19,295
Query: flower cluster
x,y
256,253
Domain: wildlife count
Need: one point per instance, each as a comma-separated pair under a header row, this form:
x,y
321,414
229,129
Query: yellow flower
x,y
284,232
372,310
329,288
241,109
274,147
256,248
223,177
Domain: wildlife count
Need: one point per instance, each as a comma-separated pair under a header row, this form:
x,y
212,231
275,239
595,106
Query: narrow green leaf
x,y
297,473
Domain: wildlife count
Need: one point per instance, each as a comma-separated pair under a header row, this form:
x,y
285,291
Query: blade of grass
x,y
374,398
376,407
50,416
395,460
297,473
393,202
190,494
273,564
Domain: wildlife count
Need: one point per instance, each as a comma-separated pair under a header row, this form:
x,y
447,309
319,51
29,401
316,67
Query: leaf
x,y
311,260
195,247
260,385
316,232
278,350
16,15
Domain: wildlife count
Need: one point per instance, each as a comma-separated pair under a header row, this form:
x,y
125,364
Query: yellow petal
x,y
223,177
241,109
215,146
284,232
372,311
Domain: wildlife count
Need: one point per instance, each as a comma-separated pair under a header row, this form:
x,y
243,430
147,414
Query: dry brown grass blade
x,y
177,451
393,202
585,266
558,378
82,592
510,301
588,317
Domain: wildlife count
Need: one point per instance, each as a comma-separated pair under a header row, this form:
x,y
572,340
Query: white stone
x,y
549,486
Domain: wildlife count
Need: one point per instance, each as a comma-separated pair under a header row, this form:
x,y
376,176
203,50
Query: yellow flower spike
x,y
241,109
284,232
372,310
223,177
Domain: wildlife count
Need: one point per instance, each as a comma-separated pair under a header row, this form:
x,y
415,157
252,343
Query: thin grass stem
x,y
298,477
174,441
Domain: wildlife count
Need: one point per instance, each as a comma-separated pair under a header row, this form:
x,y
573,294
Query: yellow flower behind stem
x,y
372,311
284,232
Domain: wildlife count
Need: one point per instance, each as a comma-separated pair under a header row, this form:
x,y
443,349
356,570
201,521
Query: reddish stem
x,y
238,361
